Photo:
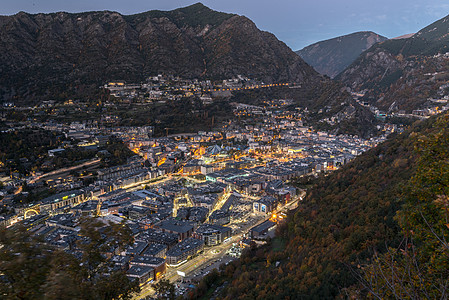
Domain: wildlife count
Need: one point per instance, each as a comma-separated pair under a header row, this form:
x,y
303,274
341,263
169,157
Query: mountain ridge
x,y
51,55
393,74
331,56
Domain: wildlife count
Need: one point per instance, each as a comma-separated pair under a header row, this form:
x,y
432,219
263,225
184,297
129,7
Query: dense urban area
x,y
211,192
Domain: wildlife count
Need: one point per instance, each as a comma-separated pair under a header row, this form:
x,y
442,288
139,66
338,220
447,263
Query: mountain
x,y
402,74
326,106
63,54
324,248
330,57
437,31
404,36
59,56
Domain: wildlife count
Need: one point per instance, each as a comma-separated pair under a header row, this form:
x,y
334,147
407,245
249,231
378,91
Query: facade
x,y
120,171
61,201
265,205
212,234
183,250
206,169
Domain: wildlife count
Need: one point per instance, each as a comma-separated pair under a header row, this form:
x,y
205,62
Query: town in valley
x,y
192,201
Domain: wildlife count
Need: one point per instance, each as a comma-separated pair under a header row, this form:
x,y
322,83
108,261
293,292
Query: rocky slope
x,y
402,74
330,57
60,54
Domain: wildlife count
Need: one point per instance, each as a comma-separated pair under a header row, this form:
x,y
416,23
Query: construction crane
x,y
166,130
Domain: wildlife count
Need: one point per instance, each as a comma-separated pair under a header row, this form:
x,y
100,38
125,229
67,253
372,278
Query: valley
x,y
188,154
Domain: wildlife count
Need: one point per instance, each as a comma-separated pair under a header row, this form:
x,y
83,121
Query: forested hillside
x,y
31,269
418,269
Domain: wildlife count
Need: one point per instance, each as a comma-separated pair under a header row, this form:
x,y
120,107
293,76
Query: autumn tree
x,y
419,267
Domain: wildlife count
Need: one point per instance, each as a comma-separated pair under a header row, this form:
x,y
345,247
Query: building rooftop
x,y
137,248
154,249
263,226
211,228
175,226
186,245
153,236
217,214
87,206
267,200
147,260
120,259
138,271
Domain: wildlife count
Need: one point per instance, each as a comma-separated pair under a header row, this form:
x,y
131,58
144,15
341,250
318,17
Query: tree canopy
x,y
30,269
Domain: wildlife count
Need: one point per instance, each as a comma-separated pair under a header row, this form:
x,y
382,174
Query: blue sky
x,y
298,23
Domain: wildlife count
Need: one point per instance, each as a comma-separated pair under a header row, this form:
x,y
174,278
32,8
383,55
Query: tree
x,y
164,287
24,265
32,270
419,267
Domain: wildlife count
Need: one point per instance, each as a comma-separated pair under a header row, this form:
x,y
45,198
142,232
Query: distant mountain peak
x,y
394,74
332,56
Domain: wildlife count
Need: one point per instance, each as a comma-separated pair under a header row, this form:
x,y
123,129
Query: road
x,y
254,87
200,261
212,257
64,170
138,185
